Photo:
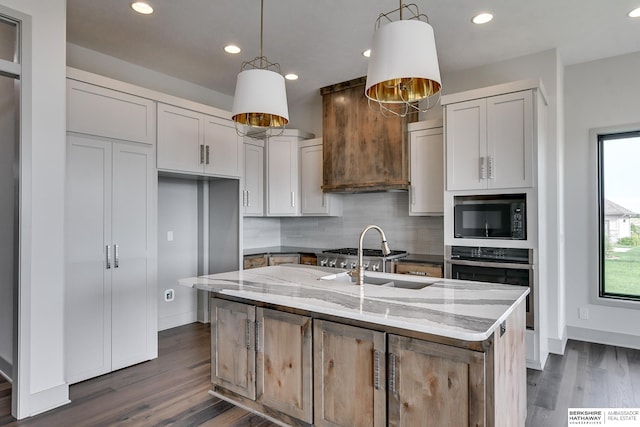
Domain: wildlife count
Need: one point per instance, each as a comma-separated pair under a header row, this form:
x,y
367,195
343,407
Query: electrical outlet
x,y
583,313
169,236
169,295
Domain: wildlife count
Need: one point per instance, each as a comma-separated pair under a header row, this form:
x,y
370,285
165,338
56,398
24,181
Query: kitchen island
x,y
303,345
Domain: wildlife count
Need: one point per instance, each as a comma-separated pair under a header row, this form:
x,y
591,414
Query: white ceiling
x,y
322,40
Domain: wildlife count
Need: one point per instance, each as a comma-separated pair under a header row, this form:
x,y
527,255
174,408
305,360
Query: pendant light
x,y
403,66
260,101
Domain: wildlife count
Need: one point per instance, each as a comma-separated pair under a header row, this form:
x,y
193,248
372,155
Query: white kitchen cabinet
x,y
196,143
253,191
110,256
95,110
283,188
489,142
426,194
314,201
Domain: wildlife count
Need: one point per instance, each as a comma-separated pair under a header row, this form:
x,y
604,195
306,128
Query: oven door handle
x,y
509,265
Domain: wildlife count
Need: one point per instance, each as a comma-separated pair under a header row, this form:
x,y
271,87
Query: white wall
x,y
109,66
178,258
41,382
598,94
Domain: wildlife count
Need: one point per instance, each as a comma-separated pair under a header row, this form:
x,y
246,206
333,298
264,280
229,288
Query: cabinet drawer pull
x,y
207,155
108,257
249,198
201,153
116,256
376,369
248,333
293,199
392,373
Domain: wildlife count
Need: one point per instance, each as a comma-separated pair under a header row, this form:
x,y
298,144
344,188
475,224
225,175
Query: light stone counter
x,y
469,311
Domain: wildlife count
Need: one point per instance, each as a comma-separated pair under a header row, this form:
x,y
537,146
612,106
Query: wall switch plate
x,y
169,236
169,294
583,313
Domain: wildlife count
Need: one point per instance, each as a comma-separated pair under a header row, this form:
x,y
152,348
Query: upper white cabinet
x,y
95,110
426,194
196,143
489,142
314,201
253,191
283,189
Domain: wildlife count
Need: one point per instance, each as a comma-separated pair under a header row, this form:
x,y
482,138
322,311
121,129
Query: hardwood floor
x,y
172,390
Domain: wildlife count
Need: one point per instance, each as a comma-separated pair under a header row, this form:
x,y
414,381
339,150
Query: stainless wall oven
x,y
512,266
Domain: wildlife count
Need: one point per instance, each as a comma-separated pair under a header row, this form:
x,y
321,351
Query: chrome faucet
x,y
385,251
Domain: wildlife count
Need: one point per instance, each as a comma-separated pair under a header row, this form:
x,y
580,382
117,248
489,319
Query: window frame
x,y
598,296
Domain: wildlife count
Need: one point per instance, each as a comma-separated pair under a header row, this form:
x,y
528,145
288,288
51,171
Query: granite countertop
x,y
457,309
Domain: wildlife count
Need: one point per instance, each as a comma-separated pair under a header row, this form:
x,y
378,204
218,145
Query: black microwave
x,y
490,217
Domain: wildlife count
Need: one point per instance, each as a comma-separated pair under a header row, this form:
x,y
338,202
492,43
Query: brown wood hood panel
x,y
363,150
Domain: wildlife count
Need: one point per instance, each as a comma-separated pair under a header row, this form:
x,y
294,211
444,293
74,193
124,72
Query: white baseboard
x,y
177,320
557,345
603,337
48,399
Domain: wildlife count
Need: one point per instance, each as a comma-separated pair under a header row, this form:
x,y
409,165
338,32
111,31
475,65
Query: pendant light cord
x,y
261,24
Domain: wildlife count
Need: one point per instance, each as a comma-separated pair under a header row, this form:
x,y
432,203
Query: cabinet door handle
x,y
108,257
490,166
293,199
376,369
248,333
483,172
248,198
258,324
207,155
392,373
116,256
201,153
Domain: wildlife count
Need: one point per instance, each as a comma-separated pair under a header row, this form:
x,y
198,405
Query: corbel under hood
x,y
363,151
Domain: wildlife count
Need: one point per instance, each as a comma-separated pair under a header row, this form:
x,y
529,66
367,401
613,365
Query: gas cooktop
x,y
365,252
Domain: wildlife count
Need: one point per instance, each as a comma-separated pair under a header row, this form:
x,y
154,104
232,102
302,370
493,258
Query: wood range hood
x,y
363,150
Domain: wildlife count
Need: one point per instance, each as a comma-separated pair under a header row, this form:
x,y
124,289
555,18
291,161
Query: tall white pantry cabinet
x,y
110,231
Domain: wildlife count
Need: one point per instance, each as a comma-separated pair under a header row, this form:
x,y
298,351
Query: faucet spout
x,y
385,250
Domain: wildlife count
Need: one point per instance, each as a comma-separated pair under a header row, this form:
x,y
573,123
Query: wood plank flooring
x,y
172,390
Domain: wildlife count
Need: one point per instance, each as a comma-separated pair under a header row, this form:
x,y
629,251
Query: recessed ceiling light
x,y
366,53
291,76
142,7
482,18
635,13
232,48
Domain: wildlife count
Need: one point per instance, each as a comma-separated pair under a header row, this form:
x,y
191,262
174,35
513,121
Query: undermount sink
x,y
378,279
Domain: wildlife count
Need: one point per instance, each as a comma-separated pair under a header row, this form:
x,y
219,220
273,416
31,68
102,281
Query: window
x,y
619,214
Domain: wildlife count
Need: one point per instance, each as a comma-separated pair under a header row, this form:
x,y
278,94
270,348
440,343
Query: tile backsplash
x,y
423,235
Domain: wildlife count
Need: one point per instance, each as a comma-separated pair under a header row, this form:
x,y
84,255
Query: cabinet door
x,y
222,148
466,141
282,176
436,385
427,172
180,140
253,195
134,318
349,376
87,274
284,363
510,140
314,201
94,110
233,356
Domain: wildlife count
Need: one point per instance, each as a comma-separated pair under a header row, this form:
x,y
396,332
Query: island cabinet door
x,y
432,384
233,357
349,376
284,363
